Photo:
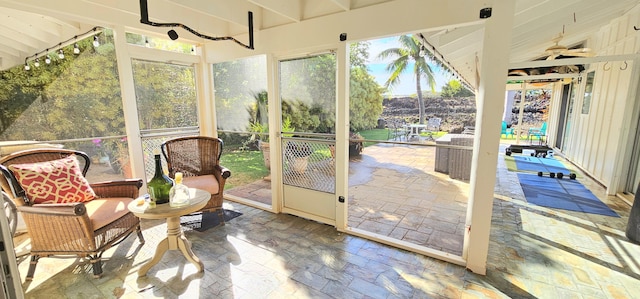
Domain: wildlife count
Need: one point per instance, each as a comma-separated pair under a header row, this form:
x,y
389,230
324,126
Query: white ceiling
x,y
30,26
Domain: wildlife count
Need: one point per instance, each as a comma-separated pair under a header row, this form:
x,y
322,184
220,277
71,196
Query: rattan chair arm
x,y
121,188
70,209
224,172
59,228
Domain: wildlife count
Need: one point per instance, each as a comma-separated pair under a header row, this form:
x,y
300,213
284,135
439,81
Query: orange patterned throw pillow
x,y
57,181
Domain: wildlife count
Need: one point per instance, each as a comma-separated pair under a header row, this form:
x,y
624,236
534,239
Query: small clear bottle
x,y
179,193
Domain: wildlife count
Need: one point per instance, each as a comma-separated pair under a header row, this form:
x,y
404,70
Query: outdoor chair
x,y
539,133
396,130
506,131
63,213
433,126
198,158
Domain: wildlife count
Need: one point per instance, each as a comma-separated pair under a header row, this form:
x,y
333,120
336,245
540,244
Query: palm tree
x,y
410,50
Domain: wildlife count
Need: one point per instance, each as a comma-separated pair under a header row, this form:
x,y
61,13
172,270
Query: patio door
x,y
308,112
633,178
563,115
568,118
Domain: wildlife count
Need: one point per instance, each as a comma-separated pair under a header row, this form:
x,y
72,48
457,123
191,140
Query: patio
x,y
395,192
534,252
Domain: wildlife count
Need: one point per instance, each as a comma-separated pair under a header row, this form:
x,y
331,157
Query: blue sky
x,y
407,84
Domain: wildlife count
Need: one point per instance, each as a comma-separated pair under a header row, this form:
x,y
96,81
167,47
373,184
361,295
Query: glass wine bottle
x,y
160,185
179,193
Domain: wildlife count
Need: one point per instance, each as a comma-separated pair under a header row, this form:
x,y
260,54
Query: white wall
x,y
598,138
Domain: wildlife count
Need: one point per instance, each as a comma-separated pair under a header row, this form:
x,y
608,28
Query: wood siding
x,y
597,137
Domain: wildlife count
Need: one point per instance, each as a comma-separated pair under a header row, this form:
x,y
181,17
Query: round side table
x,y
175,239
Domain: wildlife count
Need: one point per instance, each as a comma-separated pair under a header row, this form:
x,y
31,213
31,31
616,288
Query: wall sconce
x,y
173,35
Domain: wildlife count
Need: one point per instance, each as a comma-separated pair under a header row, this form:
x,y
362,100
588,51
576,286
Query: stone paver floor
x,y
534,252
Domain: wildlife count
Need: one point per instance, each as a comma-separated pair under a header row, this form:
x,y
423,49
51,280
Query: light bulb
x,y
47,60
95,41
37,62
26,66
76,49
61,54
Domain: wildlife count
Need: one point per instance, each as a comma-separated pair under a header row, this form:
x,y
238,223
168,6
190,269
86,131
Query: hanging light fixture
x,y
59,49
144,19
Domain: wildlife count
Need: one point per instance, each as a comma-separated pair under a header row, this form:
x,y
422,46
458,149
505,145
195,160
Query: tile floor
x,y
534,252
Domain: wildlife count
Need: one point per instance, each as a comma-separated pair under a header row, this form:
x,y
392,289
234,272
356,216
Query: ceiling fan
x,y
559,50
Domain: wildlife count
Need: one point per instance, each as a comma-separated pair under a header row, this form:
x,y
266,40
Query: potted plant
x,y
297,154
119,157
355,144
260,125
262,136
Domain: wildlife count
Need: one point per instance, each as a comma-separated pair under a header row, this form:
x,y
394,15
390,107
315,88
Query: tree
x,y
409,51
79,96
454,89
359,54
365,100
74,97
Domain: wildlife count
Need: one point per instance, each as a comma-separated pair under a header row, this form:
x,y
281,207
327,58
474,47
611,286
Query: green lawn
x,y
248,166
383,134
245,166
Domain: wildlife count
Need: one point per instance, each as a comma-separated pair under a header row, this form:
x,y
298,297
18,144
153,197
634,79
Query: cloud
x,y
378,45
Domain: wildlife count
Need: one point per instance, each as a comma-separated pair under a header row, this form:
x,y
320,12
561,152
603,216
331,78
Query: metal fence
x,y
309,163
153,139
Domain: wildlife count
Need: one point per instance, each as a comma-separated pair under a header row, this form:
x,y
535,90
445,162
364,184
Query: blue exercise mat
x,y
535,164
563,194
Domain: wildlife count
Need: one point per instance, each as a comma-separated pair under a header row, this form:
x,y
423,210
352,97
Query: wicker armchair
x,y
198,158
83,229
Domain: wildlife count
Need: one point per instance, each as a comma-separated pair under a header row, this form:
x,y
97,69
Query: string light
x,y
59,49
